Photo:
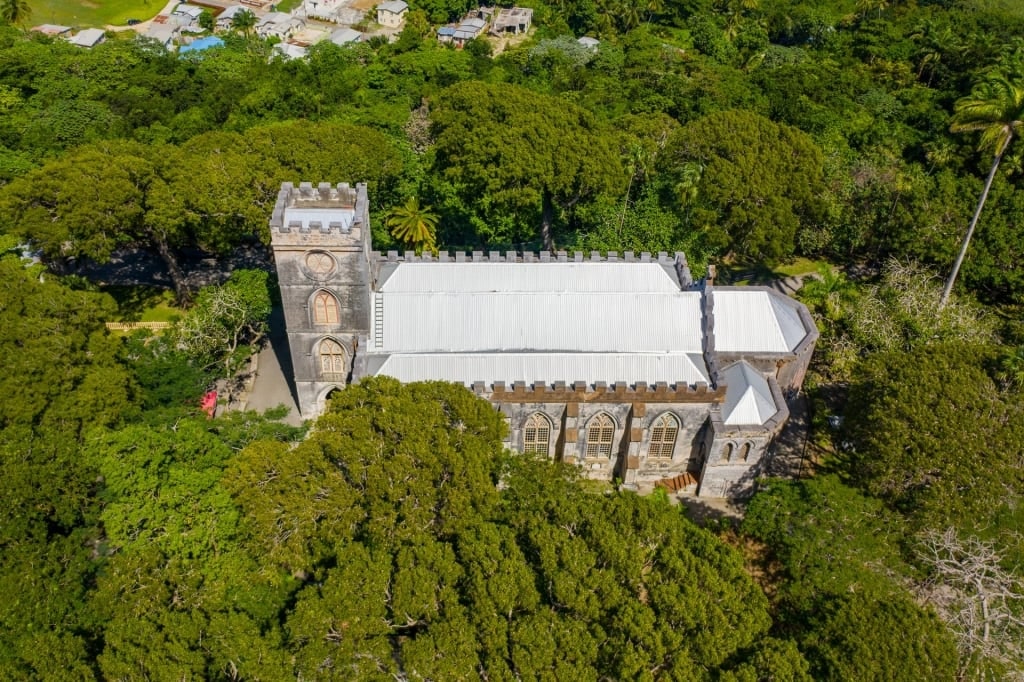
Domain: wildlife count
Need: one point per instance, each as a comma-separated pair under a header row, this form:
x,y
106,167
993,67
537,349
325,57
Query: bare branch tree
x,y
981,601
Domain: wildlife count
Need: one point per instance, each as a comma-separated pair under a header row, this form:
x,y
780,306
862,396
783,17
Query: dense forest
x,y
395,539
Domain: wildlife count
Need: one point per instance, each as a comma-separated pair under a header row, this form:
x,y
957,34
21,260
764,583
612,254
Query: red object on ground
x,y
209,403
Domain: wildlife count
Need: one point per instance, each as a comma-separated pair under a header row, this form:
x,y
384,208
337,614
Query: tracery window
x,y
600,432
536,434
319,263
663,436
325,308
332,357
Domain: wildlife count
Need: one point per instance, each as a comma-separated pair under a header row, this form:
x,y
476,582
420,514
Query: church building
x,y
621,365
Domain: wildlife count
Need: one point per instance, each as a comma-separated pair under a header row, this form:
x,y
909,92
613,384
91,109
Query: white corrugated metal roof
x,y
613,322
546,367
393,6
343,36
756,322
541,277
748,399
87,37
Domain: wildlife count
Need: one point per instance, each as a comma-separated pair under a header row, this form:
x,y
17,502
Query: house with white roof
x,y
392,13
345,36
165,34
279,25
621,365
225,18
89,37
186,16
291,51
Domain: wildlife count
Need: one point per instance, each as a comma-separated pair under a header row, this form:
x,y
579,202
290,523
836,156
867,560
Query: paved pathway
x,y
273,385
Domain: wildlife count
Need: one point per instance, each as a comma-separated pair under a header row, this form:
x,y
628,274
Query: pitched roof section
x,y
584,277
537,307
547,368
748,399
755,321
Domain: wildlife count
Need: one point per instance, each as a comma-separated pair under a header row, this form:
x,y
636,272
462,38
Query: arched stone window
x,y
600,432
726,453
332,359
663,436
744,452
325,308
537,434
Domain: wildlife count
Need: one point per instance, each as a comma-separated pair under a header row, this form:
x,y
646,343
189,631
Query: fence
x,y
131,326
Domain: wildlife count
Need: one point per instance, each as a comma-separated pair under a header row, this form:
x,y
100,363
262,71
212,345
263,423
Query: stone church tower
x,y
321,240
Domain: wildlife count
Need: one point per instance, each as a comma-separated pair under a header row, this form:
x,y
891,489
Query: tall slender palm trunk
x,y
970,229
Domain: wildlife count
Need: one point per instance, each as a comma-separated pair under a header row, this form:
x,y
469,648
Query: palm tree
x,y
15,12
415,225
244,21
996,109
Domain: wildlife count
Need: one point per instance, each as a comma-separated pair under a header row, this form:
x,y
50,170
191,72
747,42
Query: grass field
x,y
98,13
144,304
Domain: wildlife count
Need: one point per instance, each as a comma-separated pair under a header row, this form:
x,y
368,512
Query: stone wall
x,y
329,256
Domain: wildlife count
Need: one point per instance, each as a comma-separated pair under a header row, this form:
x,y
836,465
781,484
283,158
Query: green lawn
x,y
759,273
96,13
144,304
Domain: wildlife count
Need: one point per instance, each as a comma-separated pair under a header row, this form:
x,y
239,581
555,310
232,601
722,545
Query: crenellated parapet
x,y
324,208
599,392
676,261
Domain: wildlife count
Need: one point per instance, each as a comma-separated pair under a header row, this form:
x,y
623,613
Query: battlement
x,y
677,260
323,209
599,392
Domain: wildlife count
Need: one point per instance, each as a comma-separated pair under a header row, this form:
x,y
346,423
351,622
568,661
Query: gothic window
x,y
744,452
319,263
332,357
600,432
325,308
536,434
663,436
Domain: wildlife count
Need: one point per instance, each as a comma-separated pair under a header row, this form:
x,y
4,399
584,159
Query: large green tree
x,y
760,182
841,593
925,427
509,159
420,564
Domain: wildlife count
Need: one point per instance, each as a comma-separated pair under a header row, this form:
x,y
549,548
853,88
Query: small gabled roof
x,y
344,36
88,37
275,18
393,6
753,320
748,398
188,10
230,12
165,33
291,51
587,41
